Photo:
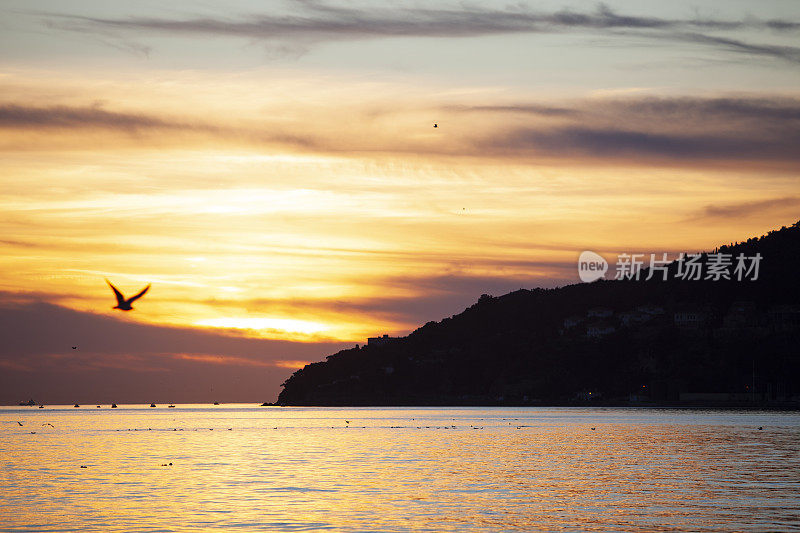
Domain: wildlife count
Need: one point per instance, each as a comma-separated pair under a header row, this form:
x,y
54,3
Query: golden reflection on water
x,y
248,468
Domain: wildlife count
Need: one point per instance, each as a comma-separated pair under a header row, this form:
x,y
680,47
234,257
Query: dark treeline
x,y
609,342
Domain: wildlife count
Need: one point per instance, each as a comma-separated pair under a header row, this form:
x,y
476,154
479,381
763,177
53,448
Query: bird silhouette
x,y
435,125
122,303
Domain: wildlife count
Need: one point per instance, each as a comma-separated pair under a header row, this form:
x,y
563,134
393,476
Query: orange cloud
x,y
291,364
223,359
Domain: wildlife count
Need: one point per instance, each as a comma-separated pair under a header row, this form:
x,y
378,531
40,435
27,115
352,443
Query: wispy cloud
x,y
521,108
787,53
217,359
637,146
425,298
309,22
660,129
745,209
761,130
25,116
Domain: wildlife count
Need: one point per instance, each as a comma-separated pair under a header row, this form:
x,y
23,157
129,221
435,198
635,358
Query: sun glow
x,y
272,324
277,215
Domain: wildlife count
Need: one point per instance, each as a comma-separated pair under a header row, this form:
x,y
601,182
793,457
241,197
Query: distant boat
x,y
29,403
170,406
113,406
76,405
41,407
216,403
98,407
152,405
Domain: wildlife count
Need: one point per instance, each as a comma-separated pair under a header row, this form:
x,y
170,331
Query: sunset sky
x,y
273,170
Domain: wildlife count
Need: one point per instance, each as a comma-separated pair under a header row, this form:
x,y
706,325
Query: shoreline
x,y
770,406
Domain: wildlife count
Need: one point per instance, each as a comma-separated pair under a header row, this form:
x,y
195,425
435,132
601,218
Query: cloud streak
x,y
25,116
312,21
761,130
746,209
648,129
636,146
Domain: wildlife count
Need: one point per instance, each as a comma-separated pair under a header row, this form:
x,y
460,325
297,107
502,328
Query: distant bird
x,y
20,423
49,424
435,125
593,429
760,428
122,303
74,347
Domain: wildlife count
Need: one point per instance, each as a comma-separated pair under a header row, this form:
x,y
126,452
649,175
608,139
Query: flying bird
x,y
122,303
436,125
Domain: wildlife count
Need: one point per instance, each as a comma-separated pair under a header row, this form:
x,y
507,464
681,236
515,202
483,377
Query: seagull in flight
x,y
122,303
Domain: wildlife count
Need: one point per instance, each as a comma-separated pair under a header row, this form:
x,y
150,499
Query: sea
x,y
250,468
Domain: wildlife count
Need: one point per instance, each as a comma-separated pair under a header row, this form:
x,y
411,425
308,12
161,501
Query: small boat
x,y
41,407
216,403
152,405
113,406
76,405
29,403
98,407
171,406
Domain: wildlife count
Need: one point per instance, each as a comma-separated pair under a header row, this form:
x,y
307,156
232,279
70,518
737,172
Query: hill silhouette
x,y
700,342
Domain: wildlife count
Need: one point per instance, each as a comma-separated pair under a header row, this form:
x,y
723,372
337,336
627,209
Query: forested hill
x,y
621,341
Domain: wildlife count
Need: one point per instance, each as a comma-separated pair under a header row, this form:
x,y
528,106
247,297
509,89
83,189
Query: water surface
x,y
249,468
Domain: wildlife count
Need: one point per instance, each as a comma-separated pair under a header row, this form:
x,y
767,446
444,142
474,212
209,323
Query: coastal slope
x,y
615,342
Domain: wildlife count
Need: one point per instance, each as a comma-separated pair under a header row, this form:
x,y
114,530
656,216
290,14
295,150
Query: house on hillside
x,y
379,341
742,315
784,317
650,309
689,318
631,318
599,328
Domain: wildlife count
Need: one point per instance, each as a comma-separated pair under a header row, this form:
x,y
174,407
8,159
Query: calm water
x,y
247,468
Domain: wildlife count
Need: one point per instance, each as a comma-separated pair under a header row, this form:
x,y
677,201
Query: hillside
x,y
615,342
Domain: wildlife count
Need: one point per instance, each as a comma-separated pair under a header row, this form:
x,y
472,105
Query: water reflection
x,y
263,468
